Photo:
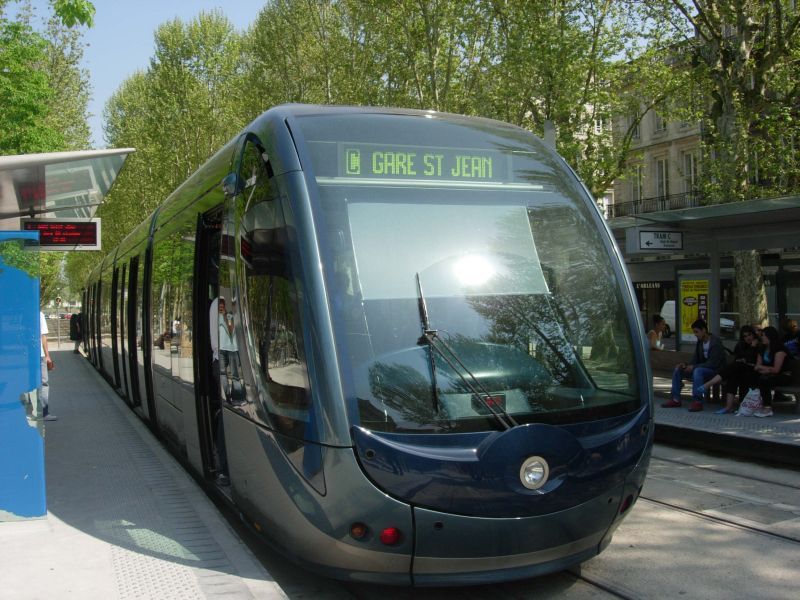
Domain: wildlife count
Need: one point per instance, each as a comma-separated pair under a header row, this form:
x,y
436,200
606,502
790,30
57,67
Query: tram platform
x,y
124,519
774,439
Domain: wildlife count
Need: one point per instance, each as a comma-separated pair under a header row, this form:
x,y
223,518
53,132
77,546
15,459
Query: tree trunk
x,y
751,294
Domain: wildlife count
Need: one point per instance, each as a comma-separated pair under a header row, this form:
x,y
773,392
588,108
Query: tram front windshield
x,y
475,234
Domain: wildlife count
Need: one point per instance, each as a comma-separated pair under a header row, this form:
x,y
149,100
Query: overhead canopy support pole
x,y
714,290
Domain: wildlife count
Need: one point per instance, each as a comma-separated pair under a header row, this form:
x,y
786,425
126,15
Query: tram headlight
x,y
534,472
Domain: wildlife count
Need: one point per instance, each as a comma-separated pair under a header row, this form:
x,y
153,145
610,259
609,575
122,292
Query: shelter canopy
x,y
748,225
56,184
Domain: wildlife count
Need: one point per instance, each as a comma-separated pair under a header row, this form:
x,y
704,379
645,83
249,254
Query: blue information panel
x,y
22,483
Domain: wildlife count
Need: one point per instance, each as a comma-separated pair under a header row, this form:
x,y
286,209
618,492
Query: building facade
x,y
663,171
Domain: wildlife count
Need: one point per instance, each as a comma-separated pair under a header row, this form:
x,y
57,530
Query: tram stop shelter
x,y
54,195
705,233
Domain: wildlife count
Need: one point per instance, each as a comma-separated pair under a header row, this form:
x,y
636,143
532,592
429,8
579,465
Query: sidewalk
x,y
775,439
124,519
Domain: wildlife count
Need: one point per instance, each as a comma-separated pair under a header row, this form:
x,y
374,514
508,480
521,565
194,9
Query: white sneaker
x,y
763,412
51,418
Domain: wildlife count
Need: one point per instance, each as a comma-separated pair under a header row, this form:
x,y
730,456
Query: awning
x,y
56,184
747,225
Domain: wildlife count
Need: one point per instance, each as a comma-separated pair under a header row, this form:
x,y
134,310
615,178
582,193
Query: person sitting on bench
x,y
738,376
707,361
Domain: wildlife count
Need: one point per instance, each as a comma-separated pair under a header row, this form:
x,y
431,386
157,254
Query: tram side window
x,y
182,284
162,304
173,266
275,338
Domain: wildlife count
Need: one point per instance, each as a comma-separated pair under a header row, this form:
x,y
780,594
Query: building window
x,y
636,183
604,202
689,172
662,178
635,122
659,123
599,125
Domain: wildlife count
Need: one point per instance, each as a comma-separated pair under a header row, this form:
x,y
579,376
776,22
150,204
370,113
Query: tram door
x,y
206,310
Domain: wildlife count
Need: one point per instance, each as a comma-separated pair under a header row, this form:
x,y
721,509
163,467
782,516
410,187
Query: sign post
x,y
58,320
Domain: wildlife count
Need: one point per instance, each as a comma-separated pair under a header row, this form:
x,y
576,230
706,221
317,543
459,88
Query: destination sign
x,y
63,234
408,162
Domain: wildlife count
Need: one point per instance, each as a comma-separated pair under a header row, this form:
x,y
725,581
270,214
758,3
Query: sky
x,y
121,40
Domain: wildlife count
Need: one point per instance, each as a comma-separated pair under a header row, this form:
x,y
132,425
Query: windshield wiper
x,y
432,339
426,328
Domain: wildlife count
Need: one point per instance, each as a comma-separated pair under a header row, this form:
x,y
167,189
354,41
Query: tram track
x,y
721,520
603,585
726,472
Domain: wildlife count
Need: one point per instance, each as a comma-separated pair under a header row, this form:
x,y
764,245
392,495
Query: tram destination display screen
x,y
351,160
399,162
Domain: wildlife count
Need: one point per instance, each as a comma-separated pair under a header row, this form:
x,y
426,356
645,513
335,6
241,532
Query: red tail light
x,y
390,536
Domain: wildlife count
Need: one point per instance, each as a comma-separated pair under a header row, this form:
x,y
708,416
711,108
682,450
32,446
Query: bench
x,y
793,387
662,363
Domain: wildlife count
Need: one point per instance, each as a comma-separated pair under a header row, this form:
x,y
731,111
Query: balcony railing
x,y
655,204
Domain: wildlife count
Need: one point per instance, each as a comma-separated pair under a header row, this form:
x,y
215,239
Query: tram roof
x,y
303,110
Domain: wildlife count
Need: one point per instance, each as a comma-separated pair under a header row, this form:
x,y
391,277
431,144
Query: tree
x,y
575,63
44,95
25,92
51,282
43,92
746,52
68,104
177,113
578,64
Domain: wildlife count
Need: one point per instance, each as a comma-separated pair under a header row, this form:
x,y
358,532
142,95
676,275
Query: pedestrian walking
x,y
76,331
47,365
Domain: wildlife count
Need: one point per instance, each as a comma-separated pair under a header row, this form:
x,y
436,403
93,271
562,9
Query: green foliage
x,y
43,91
77,267
51,282
25,92
563,60
176,114
69,101
744,55
575,63
75,12
522,62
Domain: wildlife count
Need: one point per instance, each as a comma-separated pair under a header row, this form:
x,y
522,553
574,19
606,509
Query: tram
x,y
401,343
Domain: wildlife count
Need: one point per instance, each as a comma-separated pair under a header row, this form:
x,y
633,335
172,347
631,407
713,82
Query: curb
x,y
730,445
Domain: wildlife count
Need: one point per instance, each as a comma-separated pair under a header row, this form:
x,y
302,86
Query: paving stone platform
x,y
124,519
